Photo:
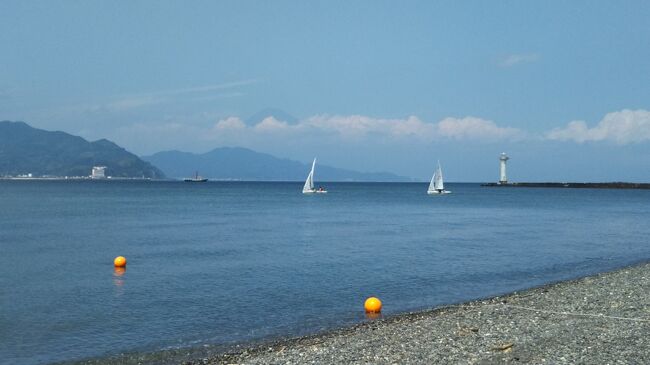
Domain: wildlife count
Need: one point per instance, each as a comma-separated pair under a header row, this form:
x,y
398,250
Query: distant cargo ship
x,y
196,178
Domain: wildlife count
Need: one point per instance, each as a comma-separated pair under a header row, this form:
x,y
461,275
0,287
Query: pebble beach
x,y
602,319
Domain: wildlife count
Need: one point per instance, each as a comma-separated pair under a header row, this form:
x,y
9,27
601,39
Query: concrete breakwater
x,y
602,185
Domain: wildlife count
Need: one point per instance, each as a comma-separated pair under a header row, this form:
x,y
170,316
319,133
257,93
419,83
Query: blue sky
x,y
562,87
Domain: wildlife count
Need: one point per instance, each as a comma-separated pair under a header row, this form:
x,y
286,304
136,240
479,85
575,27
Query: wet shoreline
x,y
596,319
604,318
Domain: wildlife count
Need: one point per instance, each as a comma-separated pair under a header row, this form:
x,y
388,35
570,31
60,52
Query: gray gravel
x,y
603,319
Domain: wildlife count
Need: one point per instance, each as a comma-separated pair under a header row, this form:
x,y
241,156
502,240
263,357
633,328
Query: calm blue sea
x,y
225,262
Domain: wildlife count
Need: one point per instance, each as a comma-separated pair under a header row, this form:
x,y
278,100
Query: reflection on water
x,y
119,271
118,280
373,316
207,257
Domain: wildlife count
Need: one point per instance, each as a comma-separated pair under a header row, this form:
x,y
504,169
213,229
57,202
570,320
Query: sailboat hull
x,y
314,192
437,192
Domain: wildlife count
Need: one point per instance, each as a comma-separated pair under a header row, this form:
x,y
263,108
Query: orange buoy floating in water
x,y
120,261
372,305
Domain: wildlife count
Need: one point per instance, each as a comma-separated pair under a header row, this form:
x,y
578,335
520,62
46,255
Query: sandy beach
x,y
602,319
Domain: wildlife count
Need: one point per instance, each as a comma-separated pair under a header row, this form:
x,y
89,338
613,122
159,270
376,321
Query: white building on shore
x,y
98,172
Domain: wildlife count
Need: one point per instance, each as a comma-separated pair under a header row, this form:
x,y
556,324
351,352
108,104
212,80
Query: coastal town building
x,y
98,172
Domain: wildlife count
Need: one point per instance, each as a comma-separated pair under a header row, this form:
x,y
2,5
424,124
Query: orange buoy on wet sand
x,y
372,305
120,261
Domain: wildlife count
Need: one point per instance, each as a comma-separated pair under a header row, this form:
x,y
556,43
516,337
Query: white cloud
x,y
519,58
230,123
178,133
622,127
270,124
472,128
358,127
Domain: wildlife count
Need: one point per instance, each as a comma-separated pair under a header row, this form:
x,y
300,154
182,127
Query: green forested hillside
x,y
24,150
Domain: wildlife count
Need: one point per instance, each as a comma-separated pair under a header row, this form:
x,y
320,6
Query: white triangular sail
x,y
432,184
436,186
309,183
437,179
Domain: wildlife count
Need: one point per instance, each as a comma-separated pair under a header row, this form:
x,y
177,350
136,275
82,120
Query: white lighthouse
x,y
502,176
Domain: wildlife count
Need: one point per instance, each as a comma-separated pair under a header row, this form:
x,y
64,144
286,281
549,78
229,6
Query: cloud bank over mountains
x,y
359,127
468,145
620,127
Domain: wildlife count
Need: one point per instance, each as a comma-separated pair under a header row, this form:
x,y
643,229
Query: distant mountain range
x,y
26,150
234,163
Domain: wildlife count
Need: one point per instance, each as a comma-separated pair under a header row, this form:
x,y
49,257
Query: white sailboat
x,y
436,186
308,188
